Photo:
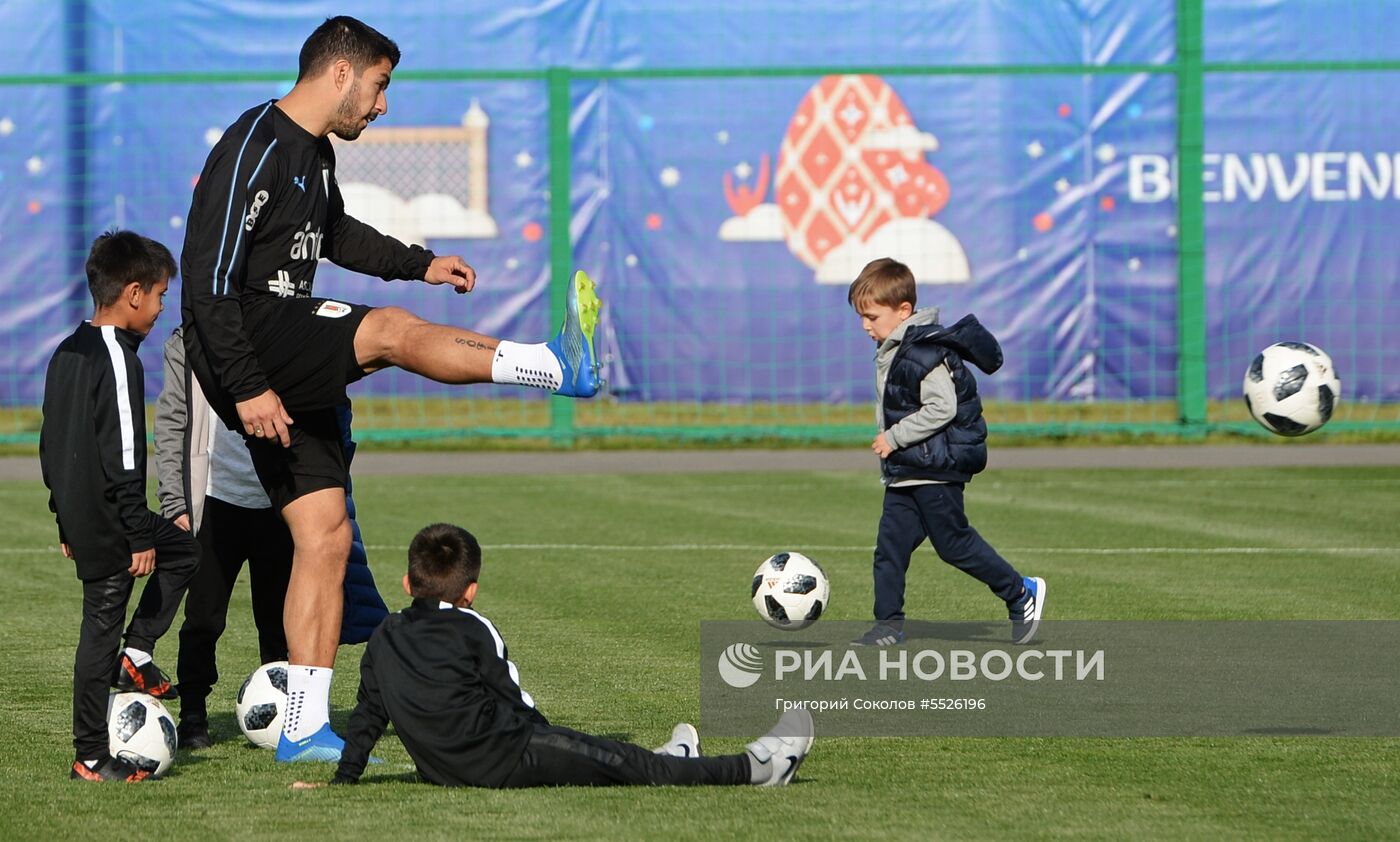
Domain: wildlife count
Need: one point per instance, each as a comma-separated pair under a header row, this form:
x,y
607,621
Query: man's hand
x,y
451,269
264,417
881,446
183,521
142,563
67,552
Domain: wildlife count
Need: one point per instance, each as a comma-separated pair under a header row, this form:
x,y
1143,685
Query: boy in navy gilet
x,y
932,440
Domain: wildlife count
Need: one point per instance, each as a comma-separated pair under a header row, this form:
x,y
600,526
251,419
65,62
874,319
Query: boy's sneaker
x,y
684,742
881,635
147,678
775,756
324,746
109,768
1026,609
574,343
193,733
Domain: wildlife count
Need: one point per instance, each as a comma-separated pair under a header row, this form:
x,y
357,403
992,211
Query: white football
x,y
261,702
790,591
1291,388
140,730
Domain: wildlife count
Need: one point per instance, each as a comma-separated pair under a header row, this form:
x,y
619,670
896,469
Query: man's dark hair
x,y
119,258
345,37
442,560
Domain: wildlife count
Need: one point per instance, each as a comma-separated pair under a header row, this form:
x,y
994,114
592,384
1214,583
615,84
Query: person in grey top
x,y
932,439
206,485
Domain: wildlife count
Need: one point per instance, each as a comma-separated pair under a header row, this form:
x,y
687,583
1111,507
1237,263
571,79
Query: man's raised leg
x,y
320,531
566,365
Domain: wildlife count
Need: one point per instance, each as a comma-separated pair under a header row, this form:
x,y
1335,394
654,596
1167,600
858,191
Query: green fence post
x,y
561,246
1191,279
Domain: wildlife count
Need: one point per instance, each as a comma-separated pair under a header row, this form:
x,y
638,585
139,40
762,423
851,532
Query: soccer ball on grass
x,y
790,591
261,702
1291,388
141,731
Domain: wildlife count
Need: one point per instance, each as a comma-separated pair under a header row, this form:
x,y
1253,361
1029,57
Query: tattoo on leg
x,y
472,343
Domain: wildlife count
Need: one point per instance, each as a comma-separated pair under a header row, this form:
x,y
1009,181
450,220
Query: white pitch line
x,y
849,548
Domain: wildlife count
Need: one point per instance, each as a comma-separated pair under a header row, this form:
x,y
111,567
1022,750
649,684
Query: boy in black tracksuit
x,y
440,672
92,449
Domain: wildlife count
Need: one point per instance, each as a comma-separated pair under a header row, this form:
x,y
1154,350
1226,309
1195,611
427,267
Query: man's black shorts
x,y
314,461
306,347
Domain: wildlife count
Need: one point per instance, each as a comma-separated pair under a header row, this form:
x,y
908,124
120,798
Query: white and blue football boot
x,y
573,345
324,746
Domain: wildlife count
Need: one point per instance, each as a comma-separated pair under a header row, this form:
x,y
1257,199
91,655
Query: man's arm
x,y
367,724
938,405
171,422
115,425
359,247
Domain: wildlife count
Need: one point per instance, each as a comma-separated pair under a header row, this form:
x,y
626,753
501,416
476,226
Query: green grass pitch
x,y
599,584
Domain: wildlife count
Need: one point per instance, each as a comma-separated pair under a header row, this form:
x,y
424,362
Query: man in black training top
x,y
274,361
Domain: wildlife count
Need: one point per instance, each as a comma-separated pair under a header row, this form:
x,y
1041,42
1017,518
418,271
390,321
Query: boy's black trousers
x,y
934,511
557,756
229,535
104,611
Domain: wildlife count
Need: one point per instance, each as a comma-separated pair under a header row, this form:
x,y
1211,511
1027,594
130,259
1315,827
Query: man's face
x,y
880,320
149,307
363,101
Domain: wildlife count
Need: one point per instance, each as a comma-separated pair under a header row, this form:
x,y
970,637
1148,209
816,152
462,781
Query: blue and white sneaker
x,y
1026,609
323,746
573,345
882,634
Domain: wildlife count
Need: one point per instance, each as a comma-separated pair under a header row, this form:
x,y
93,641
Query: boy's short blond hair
x,y
883,281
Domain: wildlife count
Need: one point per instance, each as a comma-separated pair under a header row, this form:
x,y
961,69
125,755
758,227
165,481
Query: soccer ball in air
x,y
140,730
261,702
1291,388
790,591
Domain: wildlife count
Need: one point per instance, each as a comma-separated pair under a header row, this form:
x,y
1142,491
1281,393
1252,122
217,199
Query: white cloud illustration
x,y
930,251
904,138
761,223
429,216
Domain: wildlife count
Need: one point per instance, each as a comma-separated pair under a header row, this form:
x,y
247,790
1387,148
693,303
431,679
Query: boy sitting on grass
x,y
440,672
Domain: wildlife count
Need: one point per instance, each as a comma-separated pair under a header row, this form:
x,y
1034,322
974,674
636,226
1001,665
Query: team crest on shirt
x,y
333,309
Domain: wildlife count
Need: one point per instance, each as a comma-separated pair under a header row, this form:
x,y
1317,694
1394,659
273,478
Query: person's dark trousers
x,y
230,535
557,756
104,611
934,511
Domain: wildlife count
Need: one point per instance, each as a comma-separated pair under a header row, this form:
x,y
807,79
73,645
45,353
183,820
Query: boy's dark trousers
x,y
228,535
557,756
104,611
934,511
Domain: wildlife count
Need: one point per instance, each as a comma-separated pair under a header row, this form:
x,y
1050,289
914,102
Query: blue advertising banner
x,y
724,217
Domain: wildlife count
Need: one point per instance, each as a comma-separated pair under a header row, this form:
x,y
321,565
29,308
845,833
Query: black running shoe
x,y
193,732
146,679
109,768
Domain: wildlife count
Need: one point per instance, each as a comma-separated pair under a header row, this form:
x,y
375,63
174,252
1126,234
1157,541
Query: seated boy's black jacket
x,y
443,677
